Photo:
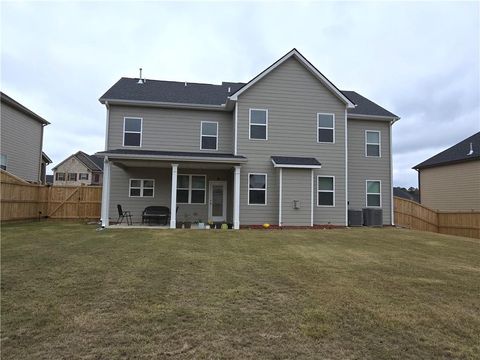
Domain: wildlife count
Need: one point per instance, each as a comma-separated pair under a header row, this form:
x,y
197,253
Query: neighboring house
x,y
22,141
43,167
273,150
406,194
450,180
49,179
79,169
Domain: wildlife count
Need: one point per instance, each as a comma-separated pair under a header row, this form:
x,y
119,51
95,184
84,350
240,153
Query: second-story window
x,y
258,120
132,131
325,128
209,135
372,143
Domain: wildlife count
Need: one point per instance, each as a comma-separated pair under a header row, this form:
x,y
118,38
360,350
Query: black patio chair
x,y
123,215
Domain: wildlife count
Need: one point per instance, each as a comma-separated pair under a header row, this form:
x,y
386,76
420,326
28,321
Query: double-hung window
x,y
3,162
141,188
60,176
257,189
72,177
191,189
258,121
325,128
83,176
325,191
372,143
374,198
132,131
209,135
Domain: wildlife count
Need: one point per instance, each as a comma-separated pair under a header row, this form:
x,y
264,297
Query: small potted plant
x,y
201,224
224,226
187,224
211,225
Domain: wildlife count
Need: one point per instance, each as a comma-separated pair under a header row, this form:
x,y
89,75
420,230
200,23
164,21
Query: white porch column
x,y
280,185
236,198
106,193
173,204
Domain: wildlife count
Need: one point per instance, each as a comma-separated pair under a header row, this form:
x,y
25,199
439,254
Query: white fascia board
x,y
304,62
222,107
171,158
296,166
373,117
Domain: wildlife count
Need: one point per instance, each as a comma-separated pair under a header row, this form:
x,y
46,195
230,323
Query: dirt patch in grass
x,y
69,291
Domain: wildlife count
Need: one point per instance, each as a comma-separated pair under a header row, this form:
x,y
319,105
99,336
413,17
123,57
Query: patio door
x,y
217,201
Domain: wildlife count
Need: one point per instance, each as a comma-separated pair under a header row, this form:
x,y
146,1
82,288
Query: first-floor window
x,y
72,177
3,162
83,176
191,189
60,176
325,191
374,193
141,187
257,189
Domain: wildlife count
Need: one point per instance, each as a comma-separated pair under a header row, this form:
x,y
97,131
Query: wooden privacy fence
x,y
21,200
415,216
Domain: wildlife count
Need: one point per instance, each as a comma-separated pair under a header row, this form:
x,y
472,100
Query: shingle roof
x,y
92,162
128,89
296,161
366,106
455,154
170,153
171,91
15,104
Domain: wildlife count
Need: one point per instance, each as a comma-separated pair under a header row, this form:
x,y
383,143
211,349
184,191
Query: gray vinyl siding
x,y
296,185
119,192
21,142
362,168
293,97
170,129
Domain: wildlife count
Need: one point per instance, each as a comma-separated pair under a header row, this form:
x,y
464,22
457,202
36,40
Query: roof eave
x,y
114,156
291,166
222,107
453,162
373,117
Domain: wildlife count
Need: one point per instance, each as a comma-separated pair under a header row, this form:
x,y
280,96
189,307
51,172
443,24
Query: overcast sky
x,y
418,60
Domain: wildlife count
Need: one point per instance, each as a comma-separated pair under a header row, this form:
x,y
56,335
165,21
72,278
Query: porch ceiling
x,y
130,163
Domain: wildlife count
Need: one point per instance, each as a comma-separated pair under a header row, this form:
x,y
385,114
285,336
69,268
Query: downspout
x,y
41,158
392,214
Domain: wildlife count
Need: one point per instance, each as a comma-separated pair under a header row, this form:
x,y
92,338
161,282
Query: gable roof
x,y
16,105
92,162
457,153
133,91
302,60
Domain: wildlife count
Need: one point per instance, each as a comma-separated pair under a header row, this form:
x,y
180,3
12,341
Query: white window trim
x,y
379,143
68,176
215,136
323,127
332,191
58,173
141,188
80,175
367,193
266,187
190,188
132,132
250,124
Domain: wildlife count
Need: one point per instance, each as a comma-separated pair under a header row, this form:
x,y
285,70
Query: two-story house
x,y
79,169
287,148
22,141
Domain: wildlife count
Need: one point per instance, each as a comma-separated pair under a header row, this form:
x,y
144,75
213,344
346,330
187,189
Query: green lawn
x,y
69,292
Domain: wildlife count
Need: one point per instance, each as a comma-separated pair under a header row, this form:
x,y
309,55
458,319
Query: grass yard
x,y
71,292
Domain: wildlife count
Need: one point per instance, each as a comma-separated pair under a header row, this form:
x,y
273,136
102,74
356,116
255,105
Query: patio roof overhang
x,y
157,158
295,162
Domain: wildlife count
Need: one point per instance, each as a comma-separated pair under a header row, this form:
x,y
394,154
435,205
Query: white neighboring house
x,y
79,169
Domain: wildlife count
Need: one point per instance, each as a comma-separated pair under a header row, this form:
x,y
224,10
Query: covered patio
x,y
198,186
